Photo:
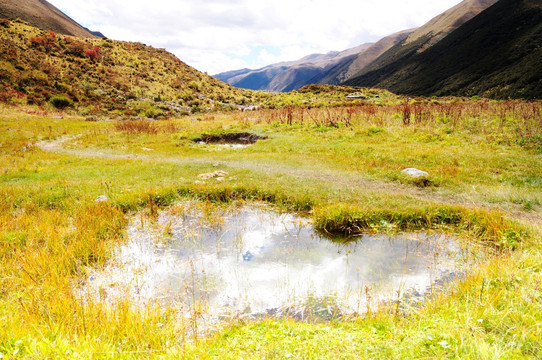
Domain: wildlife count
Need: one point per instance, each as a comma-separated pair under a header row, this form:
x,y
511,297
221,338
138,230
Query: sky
x,y
220,35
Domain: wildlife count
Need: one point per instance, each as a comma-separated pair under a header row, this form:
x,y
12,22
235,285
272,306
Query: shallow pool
x,y
252,261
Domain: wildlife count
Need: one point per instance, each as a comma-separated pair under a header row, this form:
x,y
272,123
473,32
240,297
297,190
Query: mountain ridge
x,y
350,66
288,75
428,34
44,16
495,54
353,62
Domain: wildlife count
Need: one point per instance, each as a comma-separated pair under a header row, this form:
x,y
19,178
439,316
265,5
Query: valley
x,y
149,210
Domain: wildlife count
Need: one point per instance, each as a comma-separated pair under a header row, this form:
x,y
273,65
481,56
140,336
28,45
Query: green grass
x,y
484,183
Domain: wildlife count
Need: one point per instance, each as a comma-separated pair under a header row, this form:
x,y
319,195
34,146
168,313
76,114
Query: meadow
x,y
337,163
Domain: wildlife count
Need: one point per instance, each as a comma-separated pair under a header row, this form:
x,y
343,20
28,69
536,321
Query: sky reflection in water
x,y
254,261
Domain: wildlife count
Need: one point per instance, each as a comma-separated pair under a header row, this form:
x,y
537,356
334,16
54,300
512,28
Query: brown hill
x,y
42,15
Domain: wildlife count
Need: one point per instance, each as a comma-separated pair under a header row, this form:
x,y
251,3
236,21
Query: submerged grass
x,y
484,163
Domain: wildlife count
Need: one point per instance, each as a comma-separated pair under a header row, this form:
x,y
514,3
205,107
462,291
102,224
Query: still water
x,y
251,261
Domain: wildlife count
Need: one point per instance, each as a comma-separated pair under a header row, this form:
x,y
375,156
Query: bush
x,y
61,101
76,48
93,54
136,126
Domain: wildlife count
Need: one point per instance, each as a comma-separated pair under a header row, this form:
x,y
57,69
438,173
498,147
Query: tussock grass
x,y
490,227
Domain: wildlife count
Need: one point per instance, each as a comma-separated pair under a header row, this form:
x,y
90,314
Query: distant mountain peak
x,y
43,15
335,67
289,75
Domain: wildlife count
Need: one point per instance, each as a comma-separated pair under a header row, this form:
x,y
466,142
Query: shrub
x,y
93,54
61,101
76,48
45,41
136,127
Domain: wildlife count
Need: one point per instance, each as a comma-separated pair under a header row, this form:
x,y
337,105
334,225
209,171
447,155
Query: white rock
x,y
102,198
415,172
217,174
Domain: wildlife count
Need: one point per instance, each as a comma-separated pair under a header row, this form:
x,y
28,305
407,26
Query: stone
x,y
415,172
217,174
102,198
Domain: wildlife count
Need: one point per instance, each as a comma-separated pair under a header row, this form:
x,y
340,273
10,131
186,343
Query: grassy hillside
x,y
496,54
95,76
43,15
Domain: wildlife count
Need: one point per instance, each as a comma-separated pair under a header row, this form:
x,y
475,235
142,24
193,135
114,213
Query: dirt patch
x,y
230,138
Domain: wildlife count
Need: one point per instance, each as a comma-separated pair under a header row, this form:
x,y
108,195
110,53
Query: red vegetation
x,y
46,41
93,54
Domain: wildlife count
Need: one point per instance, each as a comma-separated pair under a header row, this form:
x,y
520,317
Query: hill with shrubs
x,y
97,76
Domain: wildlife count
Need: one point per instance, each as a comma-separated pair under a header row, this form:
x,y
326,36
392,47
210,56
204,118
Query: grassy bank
x,y
341,166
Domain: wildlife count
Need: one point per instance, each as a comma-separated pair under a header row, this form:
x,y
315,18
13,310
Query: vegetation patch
x,y
61,102
490,227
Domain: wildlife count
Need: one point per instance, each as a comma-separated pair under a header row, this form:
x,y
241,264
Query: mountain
x,y
43,15
496,54
448,21
337,67
103,76
292,75
428,34
96,33
350,66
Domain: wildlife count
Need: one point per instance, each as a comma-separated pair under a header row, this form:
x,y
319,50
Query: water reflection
x,y
254,261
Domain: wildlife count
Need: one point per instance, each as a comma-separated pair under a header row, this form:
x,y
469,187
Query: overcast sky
x,y
220,35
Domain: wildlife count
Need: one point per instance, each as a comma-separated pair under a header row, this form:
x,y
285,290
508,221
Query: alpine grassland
x,y
336,162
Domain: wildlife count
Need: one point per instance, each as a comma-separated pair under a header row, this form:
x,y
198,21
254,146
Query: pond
x,y
253,262
229,140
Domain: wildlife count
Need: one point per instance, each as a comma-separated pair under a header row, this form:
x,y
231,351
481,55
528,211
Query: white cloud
x,y
220,35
